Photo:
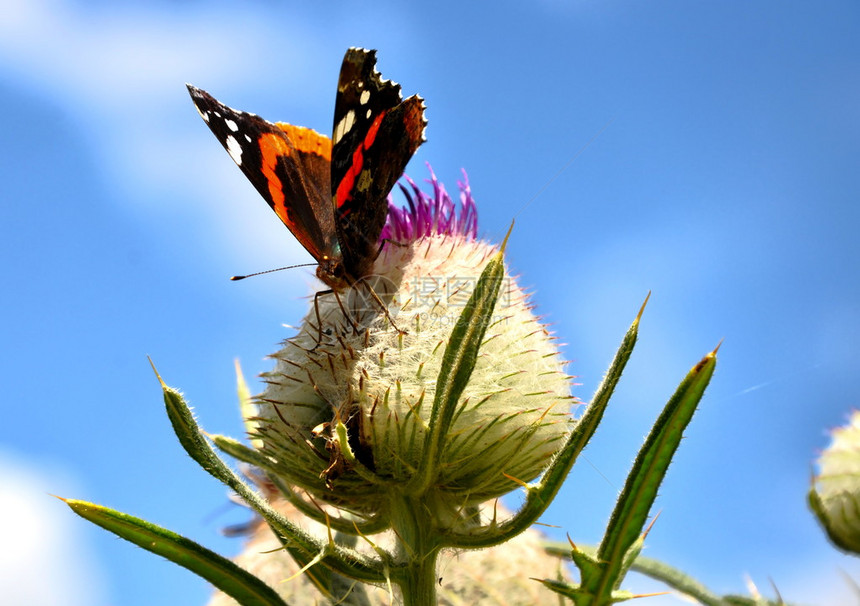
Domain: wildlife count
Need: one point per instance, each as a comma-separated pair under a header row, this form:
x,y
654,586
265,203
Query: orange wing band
x,y
273,146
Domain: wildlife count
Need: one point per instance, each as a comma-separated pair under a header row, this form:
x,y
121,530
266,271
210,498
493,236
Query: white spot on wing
x,y
365,97
368,114
234,149
231,125
344,126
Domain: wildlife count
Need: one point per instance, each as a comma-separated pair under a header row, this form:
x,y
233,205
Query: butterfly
x,y
331,193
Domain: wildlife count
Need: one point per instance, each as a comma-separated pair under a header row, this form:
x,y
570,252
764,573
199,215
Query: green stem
x,y
418,548
419,586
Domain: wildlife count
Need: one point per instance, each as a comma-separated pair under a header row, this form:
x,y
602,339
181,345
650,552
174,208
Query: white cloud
x,y
43,560
120,72
128,55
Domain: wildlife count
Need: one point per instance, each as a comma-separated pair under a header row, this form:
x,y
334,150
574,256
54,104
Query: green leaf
x,y
243,453
580,596
303,547
640,490
458,362
236,582
676,579
602,573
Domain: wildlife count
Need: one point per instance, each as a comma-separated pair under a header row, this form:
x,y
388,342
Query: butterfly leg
x,y
319,318
384,308
373,293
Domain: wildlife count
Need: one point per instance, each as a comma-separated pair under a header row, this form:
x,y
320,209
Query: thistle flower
x,y
835,495
376,374
400,410
402,407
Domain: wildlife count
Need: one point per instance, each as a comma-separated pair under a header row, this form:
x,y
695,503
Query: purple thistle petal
x,y
425,215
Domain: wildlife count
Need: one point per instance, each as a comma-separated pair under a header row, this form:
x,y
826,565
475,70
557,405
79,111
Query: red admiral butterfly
x,y
331,193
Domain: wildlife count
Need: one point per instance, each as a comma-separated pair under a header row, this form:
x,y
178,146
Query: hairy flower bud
x,y
835,495
369,359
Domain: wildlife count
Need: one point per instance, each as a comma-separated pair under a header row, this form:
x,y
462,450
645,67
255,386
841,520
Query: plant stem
x,y
419,546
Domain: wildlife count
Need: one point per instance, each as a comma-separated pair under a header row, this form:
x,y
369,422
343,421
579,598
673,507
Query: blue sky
x,y
721,175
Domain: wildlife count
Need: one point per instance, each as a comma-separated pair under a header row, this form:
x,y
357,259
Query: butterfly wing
x,y
288,165
375,135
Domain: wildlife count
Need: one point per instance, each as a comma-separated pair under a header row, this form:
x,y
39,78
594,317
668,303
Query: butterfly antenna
x,y
269,271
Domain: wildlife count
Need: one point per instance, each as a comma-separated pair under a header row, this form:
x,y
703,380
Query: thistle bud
x,y
369,358
835,494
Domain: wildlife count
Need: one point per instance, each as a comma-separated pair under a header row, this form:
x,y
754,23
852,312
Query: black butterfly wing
x,y
288,165
375,135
